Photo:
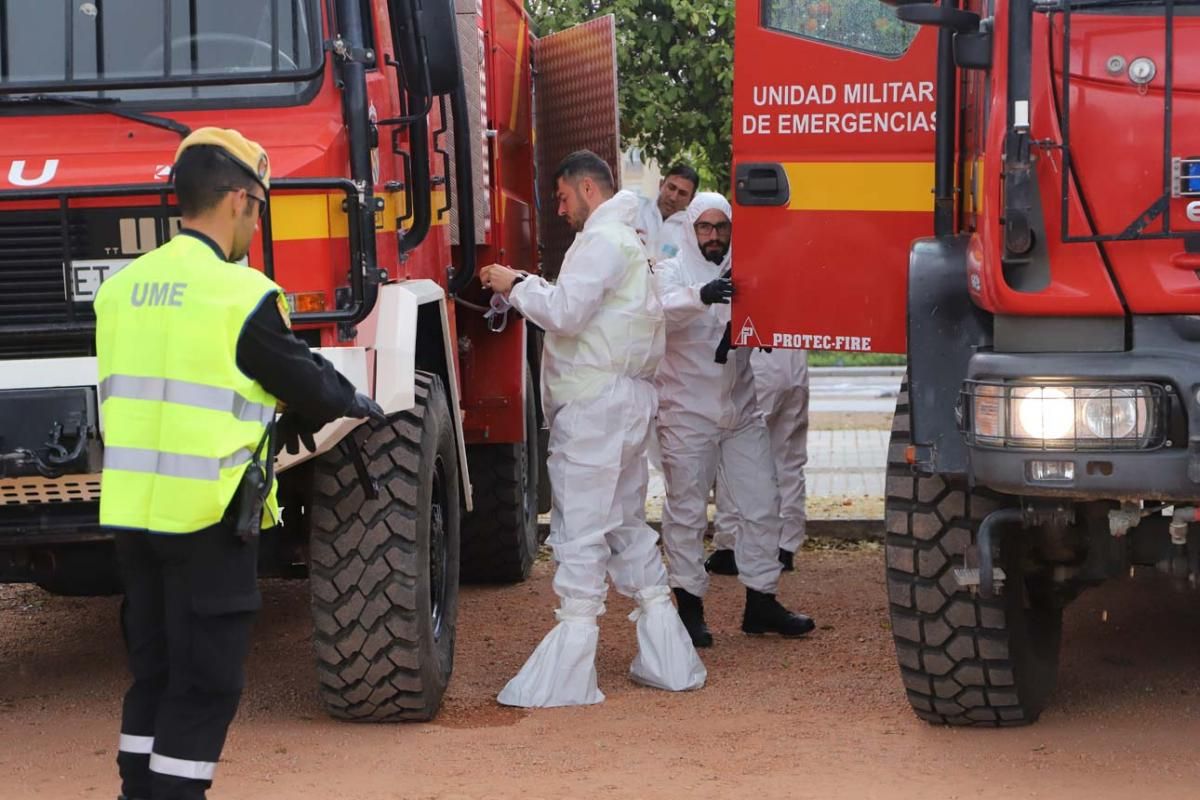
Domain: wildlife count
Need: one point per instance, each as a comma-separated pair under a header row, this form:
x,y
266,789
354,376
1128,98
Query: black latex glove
x,y
292,431
718,290
363,407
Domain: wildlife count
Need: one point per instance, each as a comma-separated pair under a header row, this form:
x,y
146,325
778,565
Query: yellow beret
x,y
250,155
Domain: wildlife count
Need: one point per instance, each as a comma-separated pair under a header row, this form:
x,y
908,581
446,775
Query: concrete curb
x,y
846,530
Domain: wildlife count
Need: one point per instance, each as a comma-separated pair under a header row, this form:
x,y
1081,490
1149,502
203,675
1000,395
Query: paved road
x,y
853,390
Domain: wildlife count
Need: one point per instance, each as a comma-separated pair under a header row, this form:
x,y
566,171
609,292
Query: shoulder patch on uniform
x,y
282,304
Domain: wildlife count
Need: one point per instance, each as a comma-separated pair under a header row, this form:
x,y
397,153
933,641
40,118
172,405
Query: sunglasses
x,y
262,201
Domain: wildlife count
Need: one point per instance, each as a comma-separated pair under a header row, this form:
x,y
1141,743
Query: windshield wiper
x,y
103,105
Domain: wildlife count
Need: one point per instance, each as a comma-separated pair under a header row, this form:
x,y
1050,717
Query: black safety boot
x,y
691,611
764,614
788,559
721,562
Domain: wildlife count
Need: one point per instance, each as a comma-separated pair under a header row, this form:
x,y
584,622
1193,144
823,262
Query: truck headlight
x,y
1063,416
1113,413
1043,412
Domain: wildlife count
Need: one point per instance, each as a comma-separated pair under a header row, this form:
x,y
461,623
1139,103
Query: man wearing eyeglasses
x,y
194,353
710,428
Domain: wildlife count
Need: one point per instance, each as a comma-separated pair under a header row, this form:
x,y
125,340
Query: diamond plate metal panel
x,y
470,44
575,108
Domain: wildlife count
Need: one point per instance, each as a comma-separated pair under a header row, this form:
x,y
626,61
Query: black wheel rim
x,y
438,547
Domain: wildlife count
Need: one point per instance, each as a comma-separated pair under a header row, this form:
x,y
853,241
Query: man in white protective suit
x,y
661,219
781,386
709,425
604,337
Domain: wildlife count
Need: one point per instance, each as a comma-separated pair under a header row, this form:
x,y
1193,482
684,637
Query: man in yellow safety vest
x,y
194,352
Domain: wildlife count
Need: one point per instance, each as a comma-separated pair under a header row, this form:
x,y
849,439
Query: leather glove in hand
x,y
292,431
363,407
718,290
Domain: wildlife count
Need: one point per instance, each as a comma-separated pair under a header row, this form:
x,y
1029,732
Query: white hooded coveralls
x,y
781,386
603,341
709,424
660,236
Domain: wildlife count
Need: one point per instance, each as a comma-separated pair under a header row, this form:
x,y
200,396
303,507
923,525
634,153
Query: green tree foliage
x,y
675,61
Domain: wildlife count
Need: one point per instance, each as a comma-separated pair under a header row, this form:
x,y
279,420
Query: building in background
x,y
639,174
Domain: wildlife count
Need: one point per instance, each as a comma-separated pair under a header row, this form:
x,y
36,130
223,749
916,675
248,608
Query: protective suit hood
x,y
704,201
621,208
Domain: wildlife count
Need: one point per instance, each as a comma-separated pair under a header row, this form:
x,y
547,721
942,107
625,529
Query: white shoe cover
x,y
562,670
666,658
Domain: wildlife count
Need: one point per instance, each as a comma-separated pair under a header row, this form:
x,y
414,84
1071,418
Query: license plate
x,y
86,276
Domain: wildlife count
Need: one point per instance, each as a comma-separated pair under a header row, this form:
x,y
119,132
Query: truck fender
x,y
945,328
409,329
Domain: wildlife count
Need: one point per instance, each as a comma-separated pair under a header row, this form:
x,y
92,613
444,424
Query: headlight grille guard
x,y
1154,401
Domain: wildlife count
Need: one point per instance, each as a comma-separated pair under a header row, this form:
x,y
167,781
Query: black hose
x,y
464,187
364,272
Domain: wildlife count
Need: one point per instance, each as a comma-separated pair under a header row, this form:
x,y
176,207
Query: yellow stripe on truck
x,y
319,216
860,186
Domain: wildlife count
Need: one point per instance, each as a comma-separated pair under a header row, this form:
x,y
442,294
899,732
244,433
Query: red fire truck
x,y
1009,192
402,148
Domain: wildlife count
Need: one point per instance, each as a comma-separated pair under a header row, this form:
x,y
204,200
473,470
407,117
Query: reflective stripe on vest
x,y
171,465
185,393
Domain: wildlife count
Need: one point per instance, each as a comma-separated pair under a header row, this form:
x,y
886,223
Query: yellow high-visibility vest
x,y
181,421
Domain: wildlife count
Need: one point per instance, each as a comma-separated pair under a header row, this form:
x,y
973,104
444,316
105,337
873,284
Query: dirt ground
x,y
822,718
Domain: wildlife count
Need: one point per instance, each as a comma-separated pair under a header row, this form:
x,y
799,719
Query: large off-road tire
x,y
500,535
384,572
963,660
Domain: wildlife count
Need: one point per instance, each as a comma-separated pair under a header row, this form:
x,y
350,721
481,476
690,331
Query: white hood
x,y
689,247
621,208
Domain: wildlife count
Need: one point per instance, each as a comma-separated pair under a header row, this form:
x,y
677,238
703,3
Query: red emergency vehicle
x,y
1009,192
402,149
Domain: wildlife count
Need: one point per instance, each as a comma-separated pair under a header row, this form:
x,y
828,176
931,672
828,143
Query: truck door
x,y
575,108
833,144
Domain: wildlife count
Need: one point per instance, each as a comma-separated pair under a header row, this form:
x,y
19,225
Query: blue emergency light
x,y
1190,175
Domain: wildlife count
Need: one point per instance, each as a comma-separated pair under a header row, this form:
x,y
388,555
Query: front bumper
x,y
1166,352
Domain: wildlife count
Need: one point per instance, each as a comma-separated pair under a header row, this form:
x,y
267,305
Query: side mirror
x,y
425,33
973,50
972,34
940,16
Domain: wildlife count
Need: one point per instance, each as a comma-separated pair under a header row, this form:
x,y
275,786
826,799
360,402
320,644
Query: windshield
x,y
160,50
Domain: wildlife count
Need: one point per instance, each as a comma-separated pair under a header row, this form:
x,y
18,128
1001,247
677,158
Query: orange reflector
x,y
302,302
910,454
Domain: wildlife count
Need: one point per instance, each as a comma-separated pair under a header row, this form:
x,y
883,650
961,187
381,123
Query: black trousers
x,y
190,603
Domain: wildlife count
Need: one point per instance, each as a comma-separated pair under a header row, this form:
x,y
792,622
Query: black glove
x,y
292,431
362,407
718,290
721,356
